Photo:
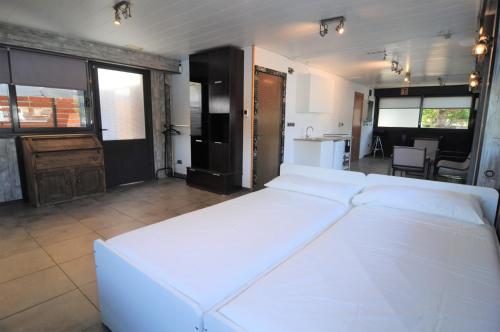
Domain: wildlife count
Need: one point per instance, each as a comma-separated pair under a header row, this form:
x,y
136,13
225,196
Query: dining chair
x,y
452,169
409,159
431,146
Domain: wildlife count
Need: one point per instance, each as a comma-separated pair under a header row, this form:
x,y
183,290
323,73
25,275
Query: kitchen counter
x,y
323,139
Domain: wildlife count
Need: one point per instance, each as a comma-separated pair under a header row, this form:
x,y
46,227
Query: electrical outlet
x,y
179,162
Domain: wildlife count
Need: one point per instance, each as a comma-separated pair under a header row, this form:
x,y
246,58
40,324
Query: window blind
x,y
45,70
399,102
4,66
447,102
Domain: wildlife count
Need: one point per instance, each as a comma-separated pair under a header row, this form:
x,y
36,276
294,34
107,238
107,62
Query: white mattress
x,y
209,254
377,269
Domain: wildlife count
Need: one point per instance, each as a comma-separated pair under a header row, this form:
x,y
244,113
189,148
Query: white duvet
x,y
377,269
209,254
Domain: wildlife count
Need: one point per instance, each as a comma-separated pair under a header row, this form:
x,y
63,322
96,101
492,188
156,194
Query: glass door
x,y
124,123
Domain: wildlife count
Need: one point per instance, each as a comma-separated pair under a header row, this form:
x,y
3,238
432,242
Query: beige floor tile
x,y
80,270
30,290
73,248
190,208
110,232
90,291
24,263
107,218
41,223
60,233
16,243
69,312
156,214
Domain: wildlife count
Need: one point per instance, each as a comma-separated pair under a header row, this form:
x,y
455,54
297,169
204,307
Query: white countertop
x,y
324,138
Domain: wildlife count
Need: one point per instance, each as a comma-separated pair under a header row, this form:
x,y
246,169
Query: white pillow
x,y
454,205
337,191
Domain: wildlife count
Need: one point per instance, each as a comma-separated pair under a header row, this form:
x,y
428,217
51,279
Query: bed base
x,y
131,301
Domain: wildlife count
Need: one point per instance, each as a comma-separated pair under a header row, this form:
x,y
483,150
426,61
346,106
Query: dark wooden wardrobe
x,y
217,128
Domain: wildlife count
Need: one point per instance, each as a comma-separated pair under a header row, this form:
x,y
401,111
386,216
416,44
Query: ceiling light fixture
x,y
474,80
407,78
122,10
481,46
323,25
395,67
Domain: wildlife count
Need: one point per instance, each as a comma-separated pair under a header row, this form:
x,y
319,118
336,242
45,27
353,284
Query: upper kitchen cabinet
x,y
314,94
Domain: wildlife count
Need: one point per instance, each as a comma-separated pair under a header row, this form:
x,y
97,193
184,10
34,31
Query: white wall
x,y
323,123
179,100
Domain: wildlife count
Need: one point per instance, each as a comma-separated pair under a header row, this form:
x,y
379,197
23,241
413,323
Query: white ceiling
x,y
408,29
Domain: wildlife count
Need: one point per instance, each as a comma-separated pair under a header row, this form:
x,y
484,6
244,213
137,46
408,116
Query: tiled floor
x,y
370,165
47,273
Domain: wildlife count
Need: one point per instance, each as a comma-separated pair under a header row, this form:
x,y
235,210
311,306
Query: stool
x,y
377,146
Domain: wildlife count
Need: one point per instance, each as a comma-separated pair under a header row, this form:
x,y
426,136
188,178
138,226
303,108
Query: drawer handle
x,y
198,140
216,174
217,82
217,142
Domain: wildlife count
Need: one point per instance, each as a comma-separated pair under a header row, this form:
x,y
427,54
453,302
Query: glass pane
x,y
121,96
450,118
395,117
37,105
5,120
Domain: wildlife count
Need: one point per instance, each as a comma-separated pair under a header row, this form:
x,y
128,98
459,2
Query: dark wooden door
x,y
122,100
357,113
269,96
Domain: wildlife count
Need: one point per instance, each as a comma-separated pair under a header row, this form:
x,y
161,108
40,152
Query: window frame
x,y
12,120
422,97
17,129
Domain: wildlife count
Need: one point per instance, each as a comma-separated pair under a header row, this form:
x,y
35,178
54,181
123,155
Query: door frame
x,y
148,107
255,147
356,93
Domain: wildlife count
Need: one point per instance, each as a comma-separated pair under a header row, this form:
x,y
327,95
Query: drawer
x,y
50,160
213,181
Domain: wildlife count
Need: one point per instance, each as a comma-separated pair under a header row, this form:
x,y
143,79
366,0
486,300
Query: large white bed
x,y
381,269
164,277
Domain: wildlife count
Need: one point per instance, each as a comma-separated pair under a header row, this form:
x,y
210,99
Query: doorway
x,y
123,114
357,113
269,125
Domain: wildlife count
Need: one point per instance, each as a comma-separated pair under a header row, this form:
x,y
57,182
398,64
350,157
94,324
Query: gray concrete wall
x,y
160,99
15,35
10,184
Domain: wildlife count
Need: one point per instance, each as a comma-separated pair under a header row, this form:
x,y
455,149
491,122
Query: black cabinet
x,y
199,152
217,133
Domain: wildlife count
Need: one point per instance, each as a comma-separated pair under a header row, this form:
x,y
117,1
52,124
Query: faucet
x,y
307,130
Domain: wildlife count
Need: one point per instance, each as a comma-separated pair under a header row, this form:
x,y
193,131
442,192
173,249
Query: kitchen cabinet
x,y
315,94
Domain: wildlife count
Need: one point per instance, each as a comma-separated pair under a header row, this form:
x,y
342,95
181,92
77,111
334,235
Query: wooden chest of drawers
x,y
62,167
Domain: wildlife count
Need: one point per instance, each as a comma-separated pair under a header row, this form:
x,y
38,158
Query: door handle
x,y
217,142
217,82
198,140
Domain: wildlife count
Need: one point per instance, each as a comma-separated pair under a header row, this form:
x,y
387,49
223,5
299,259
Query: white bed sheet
x,y
377,269
209,254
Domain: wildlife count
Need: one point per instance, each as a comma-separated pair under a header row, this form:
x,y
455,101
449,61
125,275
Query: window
x,y
40,107
5,120
436,112
399,112
446,112
452,118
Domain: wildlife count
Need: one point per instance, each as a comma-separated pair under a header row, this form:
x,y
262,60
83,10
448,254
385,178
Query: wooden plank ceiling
x,y
431,38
